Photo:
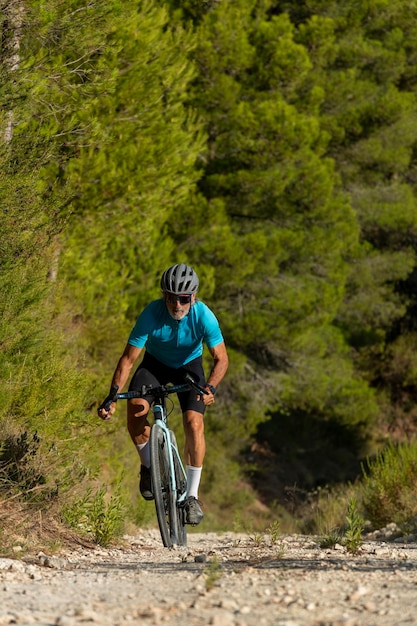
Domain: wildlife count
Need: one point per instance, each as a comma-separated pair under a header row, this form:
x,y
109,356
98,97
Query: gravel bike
x,y
168,476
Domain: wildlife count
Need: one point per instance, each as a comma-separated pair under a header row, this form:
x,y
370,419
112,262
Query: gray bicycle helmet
x,y
179,279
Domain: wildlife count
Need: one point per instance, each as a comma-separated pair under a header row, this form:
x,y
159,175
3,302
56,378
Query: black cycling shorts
x,y
153,372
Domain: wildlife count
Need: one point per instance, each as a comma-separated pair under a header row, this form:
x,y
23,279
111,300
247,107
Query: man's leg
x,y
195,443
195,449
139,431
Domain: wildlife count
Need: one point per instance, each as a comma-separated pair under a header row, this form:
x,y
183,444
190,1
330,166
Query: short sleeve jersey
x,y
175,342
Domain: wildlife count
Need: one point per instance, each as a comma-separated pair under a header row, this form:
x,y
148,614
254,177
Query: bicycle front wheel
x,y
165,498
181,484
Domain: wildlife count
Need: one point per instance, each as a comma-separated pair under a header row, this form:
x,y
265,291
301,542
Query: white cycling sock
x,y
144,453
193,480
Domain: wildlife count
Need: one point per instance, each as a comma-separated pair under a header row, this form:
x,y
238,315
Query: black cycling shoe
x,y
145,486
193,512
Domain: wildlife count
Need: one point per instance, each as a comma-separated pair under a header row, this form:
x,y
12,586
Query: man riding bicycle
x,y
172,330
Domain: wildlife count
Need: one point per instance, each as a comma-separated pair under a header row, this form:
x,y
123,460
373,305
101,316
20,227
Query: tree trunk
x,y
12,12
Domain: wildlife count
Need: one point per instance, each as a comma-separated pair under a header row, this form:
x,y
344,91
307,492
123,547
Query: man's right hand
x,y
108,407
104,412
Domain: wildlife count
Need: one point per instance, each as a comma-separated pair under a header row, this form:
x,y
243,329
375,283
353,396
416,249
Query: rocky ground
x,y
222,580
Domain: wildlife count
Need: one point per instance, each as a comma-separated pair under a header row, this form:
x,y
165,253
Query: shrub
x,y
389,485
93,514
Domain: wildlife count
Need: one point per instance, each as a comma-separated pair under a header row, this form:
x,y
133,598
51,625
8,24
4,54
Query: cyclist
x,y
172,330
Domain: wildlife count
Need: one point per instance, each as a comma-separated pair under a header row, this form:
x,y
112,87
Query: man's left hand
x,y
207,398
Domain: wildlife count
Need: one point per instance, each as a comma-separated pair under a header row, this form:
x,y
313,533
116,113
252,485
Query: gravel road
x,y
219,579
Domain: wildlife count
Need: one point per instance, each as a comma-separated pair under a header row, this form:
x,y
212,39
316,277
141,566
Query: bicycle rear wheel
x,y
181,483
165,499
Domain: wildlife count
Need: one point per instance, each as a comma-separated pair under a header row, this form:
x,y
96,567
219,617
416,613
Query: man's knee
x,y
137,408
194,421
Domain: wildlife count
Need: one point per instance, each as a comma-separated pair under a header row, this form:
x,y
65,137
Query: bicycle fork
x,y
172,450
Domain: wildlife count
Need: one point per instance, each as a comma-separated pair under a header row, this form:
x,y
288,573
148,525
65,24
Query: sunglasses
x,y
172,298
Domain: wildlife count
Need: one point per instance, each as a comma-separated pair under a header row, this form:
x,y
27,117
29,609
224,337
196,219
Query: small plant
x,y
351,536
281,551
274,531
257,538
332,538
238,524
213,573
94,515
354,528
106,518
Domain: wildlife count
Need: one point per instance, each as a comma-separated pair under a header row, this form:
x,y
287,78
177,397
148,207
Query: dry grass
x,y
27,530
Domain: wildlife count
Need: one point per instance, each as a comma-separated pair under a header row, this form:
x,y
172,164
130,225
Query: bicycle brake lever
x,y
190,380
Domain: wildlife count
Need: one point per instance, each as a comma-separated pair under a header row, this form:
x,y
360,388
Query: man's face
x,y
178,305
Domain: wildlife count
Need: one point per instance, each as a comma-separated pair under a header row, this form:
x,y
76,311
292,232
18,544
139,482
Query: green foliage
x,y
44,401
134,172
368,103
325,382
43,427
274,531
268,187
333,538
97,515
355,525
389,485
18,471
350,536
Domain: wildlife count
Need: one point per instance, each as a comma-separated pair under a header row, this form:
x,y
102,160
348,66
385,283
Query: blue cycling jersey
x,y
175,342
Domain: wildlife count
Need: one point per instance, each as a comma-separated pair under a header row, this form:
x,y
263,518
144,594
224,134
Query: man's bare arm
x,y
220,364
121,375
124,366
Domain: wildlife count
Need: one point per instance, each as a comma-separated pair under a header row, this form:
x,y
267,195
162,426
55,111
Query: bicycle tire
x,y
165,500
181,483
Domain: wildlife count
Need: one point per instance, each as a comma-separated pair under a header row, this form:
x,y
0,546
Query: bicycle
x,y
168,476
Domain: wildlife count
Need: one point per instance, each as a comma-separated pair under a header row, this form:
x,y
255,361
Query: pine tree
x,y
278,228
110,84
369,108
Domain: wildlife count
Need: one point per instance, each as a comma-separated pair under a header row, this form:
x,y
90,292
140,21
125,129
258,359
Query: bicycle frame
x,y
161,418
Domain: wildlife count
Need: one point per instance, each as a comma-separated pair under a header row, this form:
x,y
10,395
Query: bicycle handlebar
x,y
149,390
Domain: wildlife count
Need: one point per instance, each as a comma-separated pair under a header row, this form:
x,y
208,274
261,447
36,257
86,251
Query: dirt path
x,y
221,580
